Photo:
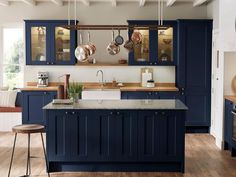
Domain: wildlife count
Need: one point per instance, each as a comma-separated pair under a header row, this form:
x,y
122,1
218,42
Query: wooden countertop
x,y
167,87
35,88
230,98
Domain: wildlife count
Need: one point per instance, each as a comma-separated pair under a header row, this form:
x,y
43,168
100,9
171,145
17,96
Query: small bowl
x,y
122,61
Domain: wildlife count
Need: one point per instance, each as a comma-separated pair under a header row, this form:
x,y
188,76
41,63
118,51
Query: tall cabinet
x,y
48,43
193,71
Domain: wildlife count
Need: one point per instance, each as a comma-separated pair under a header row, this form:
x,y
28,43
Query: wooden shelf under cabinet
x,y
100,64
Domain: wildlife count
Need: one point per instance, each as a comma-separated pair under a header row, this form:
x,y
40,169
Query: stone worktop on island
x,y
121,105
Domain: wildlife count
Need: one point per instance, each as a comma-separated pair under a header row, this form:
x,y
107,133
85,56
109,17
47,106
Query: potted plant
x,y
74,91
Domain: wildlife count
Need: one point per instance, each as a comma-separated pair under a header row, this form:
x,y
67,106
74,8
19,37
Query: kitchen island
x,y
119,135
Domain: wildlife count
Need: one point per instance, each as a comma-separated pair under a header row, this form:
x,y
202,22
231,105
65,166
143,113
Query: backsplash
x,y
163,74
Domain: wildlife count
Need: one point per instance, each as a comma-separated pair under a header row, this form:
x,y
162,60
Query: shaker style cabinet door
x,y
117,135
94,136
48,43
33,102
194,70
158,135
156,47
228,122
38,46
58,137
63,42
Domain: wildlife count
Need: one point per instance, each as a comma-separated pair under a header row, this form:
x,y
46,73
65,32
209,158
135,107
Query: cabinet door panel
x,y
147,136
33,102
83,134
32,107
158,135
194,69
58,148
169,95
117,136
137,95
63,43
125,136
170,130
37,43
228,122
199,108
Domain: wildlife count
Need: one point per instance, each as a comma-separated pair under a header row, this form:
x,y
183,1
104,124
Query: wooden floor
x,y
203,159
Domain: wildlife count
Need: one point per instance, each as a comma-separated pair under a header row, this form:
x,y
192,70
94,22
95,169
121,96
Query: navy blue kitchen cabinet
x,y
112,140
193,72
47,43
58,137
150,95
33,102
228,122
158,47
108,136
137,95
159,132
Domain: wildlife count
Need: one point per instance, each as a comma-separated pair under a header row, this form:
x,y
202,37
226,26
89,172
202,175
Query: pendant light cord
x,y
75,8
68,14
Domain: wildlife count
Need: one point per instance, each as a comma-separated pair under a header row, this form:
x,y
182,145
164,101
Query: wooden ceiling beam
x,y
29,2
170,2
4,3
85,2
142,3
58,2
199,2
113,3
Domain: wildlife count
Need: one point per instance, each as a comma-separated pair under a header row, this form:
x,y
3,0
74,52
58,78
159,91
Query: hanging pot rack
x,y
115,27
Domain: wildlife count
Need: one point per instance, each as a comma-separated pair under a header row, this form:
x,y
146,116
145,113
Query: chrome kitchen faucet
x,y
100,71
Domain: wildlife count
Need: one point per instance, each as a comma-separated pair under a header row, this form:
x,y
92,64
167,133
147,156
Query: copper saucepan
x,y
136,37
113,48
129,44
81,52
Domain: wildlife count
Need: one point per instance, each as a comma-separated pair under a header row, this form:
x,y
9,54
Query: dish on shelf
x,y
141,59
122,61
120,84
167,41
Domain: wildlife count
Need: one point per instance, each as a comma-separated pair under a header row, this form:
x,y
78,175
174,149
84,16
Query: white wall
x,y
100,13
225,18
213,12
229,72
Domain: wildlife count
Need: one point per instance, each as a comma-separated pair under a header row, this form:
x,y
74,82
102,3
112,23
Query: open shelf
x,y
100,64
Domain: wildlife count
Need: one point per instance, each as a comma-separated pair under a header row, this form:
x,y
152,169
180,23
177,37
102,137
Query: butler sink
x,y
101,94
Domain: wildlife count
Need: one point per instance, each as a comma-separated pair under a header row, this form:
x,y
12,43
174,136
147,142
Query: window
x,y
12,57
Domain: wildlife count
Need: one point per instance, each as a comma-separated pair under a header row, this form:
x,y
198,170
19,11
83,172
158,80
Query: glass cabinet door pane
x,y
141,50
62,44
165,45
38,43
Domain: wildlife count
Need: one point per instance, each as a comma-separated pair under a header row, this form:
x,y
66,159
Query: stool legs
x,y
28,168
46,161
12,155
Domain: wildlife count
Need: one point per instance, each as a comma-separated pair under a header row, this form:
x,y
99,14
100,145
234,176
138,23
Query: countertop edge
x,y
230,98
162,104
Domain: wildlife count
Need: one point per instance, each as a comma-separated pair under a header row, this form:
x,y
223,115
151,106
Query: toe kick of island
x,y
110,139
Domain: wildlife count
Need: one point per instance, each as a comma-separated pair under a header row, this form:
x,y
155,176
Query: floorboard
x,y
203,159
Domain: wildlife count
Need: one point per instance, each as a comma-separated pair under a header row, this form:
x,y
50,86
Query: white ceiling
x,y
114,3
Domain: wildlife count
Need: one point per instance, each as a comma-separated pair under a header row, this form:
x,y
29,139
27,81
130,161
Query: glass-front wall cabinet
x,y
38,43
48,43
157,47
165,45
62,45
141,49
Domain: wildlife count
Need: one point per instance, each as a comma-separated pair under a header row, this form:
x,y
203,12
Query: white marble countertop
x,y
170,104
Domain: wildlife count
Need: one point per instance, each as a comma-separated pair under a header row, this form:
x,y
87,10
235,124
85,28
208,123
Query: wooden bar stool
x,y
28,129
